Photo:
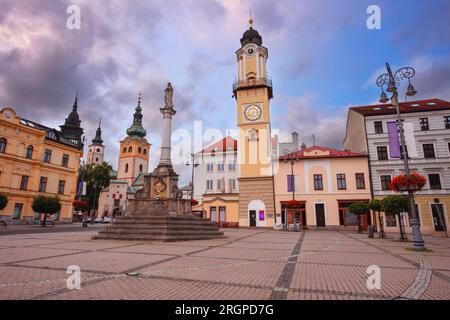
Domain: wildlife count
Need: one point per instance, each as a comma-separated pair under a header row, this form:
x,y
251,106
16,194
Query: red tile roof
x,y
405,107
333,153
222,145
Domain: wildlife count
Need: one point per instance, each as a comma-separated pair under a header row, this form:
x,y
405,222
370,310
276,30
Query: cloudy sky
x,y
322,59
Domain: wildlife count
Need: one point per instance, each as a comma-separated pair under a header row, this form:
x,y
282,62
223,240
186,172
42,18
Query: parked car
x,y
107,220
98,220
88,219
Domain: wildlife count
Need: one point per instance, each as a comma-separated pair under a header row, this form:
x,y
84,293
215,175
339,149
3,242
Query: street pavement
x,y
245,264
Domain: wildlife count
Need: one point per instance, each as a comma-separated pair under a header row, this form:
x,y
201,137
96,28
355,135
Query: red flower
x,y
414,182
194,202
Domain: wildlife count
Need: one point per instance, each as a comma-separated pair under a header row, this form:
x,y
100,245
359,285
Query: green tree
x,y
359,208
396,205
3,201
97,177
375,205
47,205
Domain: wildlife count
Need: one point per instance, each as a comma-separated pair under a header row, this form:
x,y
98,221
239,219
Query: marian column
x,y
168,112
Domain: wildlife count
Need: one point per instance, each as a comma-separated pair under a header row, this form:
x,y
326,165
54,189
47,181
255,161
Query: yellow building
x,y
253,91
325,182
35,159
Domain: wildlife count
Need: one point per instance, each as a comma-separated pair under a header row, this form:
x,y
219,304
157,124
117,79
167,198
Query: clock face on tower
x,y
252,112
250,51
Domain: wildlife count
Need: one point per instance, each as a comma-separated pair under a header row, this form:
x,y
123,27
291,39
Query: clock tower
x,y
253,92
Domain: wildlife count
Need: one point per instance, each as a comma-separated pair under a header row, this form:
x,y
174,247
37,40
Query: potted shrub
x,y
359,208
413,182
396,205
48,205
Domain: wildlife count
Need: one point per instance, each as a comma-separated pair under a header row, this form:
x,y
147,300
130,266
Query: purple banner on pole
x,y
394,143
80,188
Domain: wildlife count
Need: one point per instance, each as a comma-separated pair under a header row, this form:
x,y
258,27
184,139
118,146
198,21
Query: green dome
x,y
136,129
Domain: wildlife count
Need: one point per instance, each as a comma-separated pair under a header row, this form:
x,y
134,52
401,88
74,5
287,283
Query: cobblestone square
x,y
245,264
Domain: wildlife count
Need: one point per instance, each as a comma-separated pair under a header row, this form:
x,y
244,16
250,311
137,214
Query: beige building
x,y
326,182
216,182
430,121
35,159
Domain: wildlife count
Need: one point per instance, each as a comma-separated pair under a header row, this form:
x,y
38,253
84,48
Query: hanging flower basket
x,y
414,182
194,202
294,203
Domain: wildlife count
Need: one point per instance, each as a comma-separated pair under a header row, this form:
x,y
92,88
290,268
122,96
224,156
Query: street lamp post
x,y
292,160
392,80
194,165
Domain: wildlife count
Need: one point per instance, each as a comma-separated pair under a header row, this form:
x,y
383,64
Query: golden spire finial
x,y
250,21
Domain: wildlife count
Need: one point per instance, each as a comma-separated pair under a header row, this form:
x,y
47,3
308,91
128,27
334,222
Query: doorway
x,y
252,218
320,215
438,217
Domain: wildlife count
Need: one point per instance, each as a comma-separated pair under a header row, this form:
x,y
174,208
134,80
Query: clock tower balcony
x,y
252,83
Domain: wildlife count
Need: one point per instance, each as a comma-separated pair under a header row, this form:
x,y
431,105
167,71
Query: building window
x,y
65,160
210,167
3,143
290,183
209,185
140,168
424,125
47,155
435,181
232,166
428,151
124,150
318,182
360,181
96,159
61,186
382,153
378,127
140,150
145,151
341,183
222,214
213,214
17,211
391,220
447,122
220,167
385,182
218,184
43,184
232,184
29,152
126,167
24,183
130,149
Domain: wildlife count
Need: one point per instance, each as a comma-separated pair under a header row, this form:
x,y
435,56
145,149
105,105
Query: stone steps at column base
x,y
160,227
158,237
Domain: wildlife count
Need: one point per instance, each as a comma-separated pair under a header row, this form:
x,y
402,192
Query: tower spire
x,y
250,20
136,129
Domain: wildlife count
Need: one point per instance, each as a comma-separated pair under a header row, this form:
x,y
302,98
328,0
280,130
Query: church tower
x,y
253,92
134,150
71,129
96,148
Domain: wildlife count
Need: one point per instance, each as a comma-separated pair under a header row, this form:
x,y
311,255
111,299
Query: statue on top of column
x,y
168,98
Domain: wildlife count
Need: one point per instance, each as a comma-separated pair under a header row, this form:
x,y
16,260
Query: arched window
x,y
98,150
145,151
3,143
140,168
139,149
130,149
29,152
126,167
124,150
